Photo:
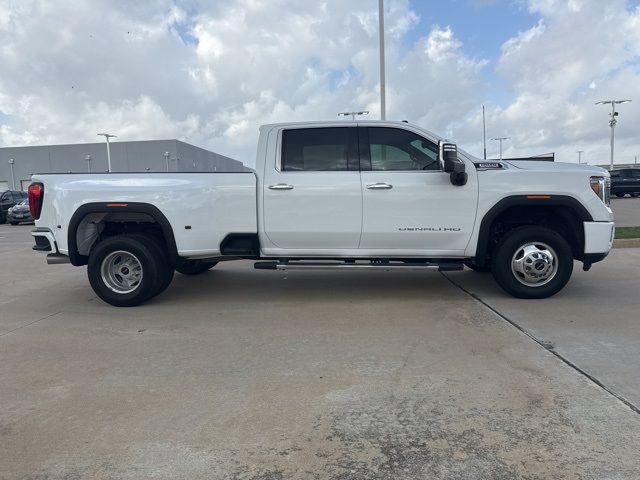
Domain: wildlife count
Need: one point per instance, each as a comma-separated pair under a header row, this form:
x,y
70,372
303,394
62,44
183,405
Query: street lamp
x,y
484,133
353,114
500,139
107,136
13,178
383,99
613,122
166,159
88,159
579,152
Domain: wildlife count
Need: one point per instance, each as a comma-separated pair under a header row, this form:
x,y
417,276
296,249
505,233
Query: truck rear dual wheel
x,y
126,270
532,262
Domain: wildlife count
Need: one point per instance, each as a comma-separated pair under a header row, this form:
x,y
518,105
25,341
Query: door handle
x,y
379,186
281,186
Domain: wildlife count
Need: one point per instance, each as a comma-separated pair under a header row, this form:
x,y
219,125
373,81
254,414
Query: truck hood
x,y
558,167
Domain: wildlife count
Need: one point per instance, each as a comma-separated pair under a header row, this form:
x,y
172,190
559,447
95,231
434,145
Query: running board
x,y
447,266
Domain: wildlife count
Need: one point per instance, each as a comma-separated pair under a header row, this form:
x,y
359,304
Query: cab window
x,y
319,149
394,149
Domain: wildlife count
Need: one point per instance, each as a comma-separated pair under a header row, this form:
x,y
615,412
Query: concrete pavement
x,y
264,375
594,323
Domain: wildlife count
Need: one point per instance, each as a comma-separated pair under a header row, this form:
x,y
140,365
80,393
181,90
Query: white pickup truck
x,y
357,195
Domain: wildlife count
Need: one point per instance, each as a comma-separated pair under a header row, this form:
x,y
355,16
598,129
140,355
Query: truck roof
x,y
360,122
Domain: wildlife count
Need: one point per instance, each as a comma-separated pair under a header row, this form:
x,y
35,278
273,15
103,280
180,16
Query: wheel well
x,y
562,218
93,222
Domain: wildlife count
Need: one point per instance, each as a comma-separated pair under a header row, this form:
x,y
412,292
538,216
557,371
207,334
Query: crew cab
x,y
339,195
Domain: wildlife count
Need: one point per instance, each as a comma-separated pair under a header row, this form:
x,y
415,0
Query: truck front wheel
x,y
532,262
124,271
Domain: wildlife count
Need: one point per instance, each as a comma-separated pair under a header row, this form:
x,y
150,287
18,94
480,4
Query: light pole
x,y
107,136
166,159
580,152
613,122
500,139
484,133
353,114
88,159
383,99
13,178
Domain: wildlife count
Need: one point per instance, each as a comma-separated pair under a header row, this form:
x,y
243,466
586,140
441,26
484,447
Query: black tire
x,y
635,195
145,254
620,195
536,264
478,268
14,223
165,273
194,267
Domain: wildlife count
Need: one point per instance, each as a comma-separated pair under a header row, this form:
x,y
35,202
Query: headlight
x,y
601,186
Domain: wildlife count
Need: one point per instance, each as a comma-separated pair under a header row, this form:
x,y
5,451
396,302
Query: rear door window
x,y
320,149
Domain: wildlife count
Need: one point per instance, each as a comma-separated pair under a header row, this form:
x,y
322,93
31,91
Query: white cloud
x,y
148,70
210,73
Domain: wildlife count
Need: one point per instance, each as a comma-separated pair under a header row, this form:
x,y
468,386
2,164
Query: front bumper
x,y
598,237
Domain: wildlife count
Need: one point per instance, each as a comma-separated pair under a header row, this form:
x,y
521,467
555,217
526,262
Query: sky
x,y
211,72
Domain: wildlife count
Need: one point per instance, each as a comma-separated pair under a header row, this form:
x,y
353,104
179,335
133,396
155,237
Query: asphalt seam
x,y
28,324
548,348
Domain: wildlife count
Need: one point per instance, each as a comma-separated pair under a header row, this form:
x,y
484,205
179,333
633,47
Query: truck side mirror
x,y
453,165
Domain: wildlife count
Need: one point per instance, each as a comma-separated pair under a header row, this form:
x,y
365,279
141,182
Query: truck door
x,y
312,195
409,203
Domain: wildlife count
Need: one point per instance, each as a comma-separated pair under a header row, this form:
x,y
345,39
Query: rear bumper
x,y
598,237
45,241
20,219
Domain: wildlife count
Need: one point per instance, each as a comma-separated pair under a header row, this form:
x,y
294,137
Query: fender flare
x,y
525,201
111,207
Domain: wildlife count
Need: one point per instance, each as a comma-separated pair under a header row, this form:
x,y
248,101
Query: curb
x,y
626,243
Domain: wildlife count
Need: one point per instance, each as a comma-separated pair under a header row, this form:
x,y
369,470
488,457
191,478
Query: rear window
x,y
319,149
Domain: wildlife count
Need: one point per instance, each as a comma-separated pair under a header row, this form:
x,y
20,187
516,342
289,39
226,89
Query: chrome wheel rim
x,y
534,264
121,272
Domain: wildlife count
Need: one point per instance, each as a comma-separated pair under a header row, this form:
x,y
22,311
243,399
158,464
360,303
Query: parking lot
x,y
266,375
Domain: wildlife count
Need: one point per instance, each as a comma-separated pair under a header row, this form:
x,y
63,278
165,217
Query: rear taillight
x,y
36,195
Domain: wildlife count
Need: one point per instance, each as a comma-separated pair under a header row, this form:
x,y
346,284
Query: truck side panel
x,y
202,208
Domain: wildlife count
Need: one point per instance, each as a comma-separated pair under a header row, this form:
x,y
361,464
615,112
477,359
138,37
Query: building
x,y
141,156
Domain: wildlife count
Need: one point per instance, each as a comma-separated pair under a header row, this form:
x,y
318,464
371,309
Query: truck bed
x,y
202,208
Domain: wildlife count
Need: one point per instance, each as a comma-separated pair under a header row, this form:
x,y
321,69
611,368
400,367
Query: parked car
x,y
19,213
625,181
330,195
9,199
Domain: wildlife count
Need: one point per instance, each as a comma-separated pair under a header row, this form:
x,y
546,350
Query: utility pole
x,y
13,178
88,159
107,136
383,100
353,114
613,122
484,133
580,152
166,159
500,139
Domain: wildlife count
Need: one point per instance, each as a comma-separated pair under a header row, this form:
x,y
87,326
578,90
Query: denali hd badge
x,y
429,229
489,165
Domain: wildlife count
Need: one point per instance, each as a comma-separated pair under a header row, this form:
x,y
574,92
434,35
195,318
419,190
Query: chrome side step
x,y
445,266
